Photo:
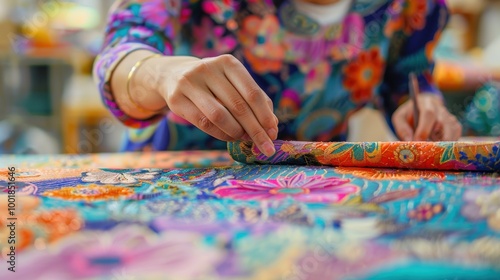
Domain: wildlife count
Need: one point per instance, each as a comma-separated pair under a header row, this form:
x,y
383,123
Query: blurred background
x,y
49,103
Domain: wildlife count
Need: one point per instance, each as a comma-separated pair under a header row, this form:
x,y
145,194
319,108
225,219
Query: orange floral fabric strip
x,y
402,155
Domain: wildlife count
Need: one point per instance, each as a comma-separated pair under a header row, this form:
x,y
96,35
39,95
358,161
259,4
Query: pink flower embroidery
x,y
300,186
261,41
210,40
156,15
317,77
351,40
289,105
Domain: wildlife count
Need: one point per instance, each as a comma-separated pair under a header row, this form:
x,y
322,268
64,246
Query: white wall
x,y
490,24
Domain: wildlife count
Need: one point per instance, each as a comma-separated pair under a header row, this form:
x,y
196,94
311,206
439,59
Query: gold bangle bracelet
x,y
129,78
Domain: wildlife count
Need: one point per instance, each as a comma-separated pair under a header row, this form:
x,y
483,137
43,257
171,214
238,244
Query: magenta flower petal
x,y
256,185
339,189
252,196
299,187
295,181
323,197
229,191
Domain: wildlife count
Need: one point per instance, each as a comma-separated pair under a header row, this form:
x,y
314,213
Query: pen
x,y
414,92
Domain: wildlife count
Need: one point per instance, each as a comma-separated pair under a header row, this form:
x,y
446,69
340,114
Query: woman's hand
x,y
435,122
220,97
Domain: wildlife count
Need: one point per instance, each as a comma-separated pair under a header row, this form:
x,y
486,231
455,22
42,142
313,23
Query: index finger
x,y
254,96
258,101
426,124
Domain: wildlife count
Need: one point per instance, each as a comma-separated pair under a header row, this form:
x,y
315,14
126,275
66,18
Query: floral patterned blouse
x,y
317,75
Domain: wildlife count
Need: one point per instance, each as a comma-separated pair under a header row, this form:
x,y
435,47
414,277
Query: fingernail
x,y
272,133
268,149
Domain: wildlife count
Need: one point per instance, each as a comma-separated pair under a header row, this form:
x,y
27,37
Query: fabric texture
x,y
317,75
453,156
250,222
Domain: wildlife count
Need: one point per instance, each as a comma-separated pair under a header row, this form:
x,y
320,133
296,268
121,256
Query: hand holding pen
x,y
425,117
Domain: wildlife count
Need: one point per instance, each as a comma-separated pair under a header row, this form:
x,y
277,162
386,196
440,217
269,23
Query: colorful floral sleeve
x,y
416,29
136,25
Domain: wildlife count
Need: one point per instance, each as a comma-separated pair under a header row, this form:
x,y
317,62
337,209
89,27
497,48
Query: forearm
x,y
139,98
142,97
